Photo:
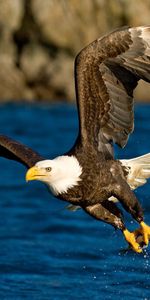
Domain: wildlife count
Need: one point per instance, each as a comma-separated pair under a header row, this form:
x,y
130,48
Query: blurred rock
x,y
12,82
61,77
138,13
39,41
142,92
73,25
47,76
11,13
34,59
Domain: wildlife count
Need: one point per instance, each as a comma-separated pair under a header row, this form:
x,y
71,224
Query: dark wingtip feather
x,y
14,150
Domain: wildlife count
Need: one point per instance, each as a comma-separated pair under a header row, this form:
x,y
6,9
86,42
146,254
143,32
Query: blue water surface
x,y
48,252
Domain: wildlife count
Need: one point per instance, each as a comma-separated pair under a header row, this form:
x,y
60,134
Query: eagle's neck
x,y
65,174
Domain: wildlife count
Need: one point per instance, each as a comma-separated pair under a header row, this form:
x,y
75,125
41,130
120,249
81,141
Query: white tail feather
x,y
138,170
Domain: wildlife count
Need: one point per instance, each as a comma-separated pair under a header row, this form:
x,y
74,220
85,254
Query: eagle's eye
x,y
48,169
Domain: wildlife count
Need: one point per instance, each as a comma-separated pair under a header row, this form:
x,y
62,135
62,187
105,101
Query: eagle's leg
x,y
129,201
108,212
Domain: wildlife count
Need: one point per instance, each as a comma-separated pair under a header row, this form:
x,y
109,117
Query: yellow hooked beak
x,y
34,173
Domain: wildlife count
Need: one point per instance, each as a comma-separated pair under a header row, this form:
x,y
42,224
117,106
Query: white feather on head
x,y
65,173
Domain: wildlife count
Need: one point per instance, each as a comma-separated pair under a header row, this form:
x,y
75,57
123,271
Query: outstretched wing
x,y
16,151
106,73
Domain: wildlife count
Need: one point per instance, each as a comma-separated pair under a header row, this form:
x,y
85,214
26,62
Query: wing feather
x,y
106,74
14,150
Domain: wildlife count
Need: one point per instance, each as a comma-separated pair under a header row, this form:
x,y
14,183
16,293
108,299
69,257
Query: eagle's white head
x,y
59,174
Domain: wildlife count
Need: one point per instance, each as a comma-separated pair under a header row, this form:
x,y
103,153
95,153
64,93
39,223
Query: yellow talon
x,y
145,230
130,238
138,234
142,235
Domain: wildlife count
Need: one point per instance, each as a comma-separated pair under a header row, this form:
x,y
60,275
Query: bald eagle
x,y
106,73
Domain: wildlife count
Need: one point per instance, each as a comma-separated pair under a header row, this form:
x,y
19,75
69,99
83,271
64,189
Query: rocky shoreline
x,y
40,39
